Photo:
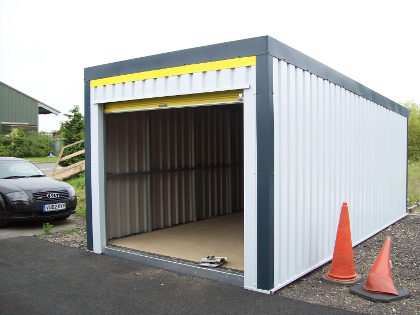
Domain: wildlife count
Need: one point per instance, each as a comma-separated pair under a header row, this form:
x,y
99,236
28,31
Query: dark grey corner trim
x,y
290,55
225,276
87,168
265,171
240,48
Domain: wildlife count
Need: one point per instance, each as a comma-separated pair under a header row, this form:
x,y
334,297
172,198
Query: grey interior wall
x,y
173,166
128,178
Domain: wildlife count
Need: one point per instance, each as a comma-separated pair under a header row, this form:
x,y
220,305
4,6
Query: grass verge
x,y
42,159
78,183
413,190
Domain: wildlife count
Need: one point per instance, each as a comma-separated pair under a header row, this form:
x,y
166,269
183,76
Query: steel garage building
x,y
244,149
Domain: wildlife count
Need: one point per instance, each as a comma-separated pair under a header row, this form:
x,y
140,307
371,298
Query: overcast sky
x,y
45,45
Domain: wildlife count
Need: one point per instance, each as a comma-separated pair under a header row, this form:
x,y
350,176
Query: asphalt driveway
x,y
38,277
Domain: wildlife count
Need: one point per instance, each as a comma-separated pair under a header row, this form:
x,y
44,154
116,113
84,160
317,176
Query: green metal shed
x,y
19,110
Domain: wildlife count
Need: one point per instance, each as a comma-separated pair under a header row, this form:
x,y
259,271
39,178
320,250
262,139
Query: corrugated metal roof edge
x,y
49,108
43,105
242,48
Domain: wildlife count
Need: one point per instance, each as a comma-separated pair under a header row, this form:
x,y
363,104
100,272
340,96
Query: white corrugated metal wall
x,y
199,82
330,146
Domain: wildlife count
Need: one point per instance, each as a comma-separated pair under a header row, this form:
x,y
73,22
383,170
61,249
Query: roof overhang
x,y
45,109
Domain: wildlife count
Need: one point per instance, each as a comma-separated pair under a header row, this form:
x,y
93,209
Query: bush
x,y
413,144
21,144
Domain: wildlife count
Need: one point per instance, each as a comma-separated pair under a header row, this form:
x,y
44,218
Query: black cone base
x,y
346,283
376,297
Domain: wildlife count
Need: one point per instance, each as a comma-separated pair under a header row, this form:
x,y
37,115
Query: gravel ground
x,y
405,257
75,237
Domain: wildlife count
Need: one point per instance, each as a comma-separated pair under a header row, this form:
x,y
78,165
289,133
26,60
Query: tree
x,y
71,130
413,144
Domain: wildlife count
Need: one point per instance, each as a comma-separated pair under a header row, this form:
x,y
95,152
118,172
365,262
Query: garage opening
x,y
174,182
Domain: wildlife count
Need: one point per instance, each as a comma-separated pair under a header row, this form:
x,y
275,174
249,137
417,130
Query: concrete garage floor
x,y
219,236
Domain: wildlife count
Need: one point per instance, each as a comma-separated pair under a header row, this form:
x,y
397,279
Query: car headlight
x,y
72,192
18,196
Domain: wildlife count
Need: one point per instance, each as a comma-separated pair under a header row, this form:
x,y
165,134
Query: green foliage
x,y
78,183
46,227
413,132
71,130
413,146
413,181
25,144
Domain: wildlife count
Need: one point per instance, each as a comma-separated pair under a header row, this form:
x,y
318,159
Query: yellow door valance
x,y
212,98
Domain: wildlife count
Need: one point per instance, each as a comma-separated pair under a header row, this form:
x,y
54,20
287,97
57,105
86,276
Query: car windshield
x,y
18,169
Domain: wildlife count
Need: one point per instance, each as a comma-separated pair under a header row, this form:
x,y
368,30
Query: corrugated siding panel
x,y
15,107
330,146
226,79
167,167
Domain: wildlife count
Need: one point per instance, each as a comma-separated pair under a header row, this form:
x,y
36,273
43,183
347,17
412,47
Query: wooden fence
x,y
73,169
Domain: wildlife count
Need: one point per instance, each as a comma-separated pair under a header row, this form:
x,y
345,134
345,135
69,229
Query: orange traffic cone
x,y
342,266
379,279
379,286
